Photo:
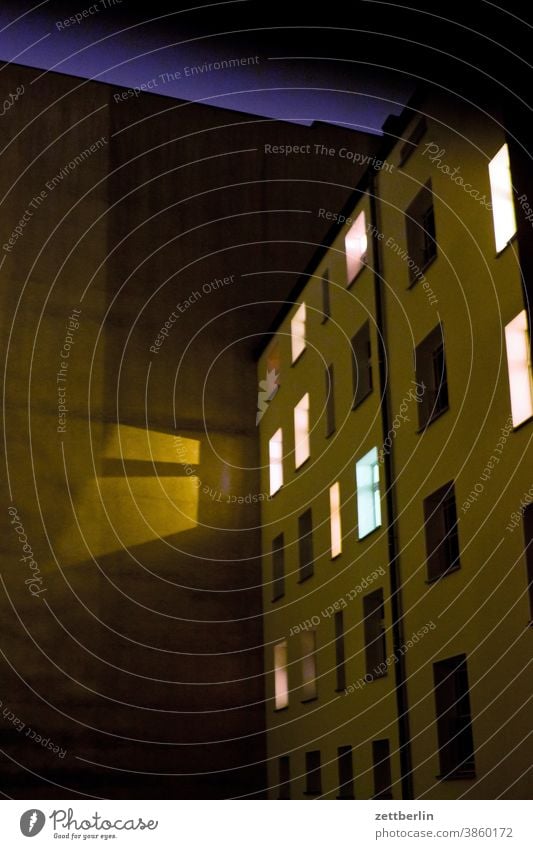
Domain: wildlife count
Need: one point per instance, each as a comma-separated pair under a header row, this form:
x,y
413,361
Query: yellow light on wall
x,y
355,244
335,519
298,332
275,457
301,431
281,677
519,367
502,198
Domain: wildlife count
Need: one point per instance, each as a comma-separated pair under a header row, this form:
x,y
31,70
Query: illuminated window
x,y
335,518
420,232
313,775
278,568
281,677
275,456
454,721
442,537
501,188
382,770
368,495
330,400
308,656
519,367
298,332
355,245
301,431
374,629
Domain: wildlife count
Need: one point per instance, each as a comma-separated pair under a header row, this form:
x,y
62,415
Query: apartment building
x,y
395,419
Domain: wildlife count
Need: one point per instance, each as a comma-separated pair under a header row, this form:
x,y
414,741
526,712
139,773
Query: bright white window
x,y
298,332
275,457
301,431
281,677
335,519
502,198
519,366
355,245
368,495
308,646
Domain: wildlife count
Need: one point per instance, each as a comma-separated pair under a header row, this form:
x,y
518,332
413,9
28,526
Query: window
x,y
420,232
368,496
501,188
301,431
519,368
308,658
284,768
361,364
278,568
326,300
382,771
298,333
454,721
281,677
374,627
442,536
432,376
355,244
305,545
335,519
313,777
412,141
340,669
345,767
330,400
528,539
275,456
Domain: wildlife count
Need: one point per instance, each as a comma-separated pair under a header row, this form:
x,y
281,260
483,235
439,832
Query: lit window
x,y
281,677
519,366
301,431
298,333
308,648
501,189
335,519
368,496
355,245
275,456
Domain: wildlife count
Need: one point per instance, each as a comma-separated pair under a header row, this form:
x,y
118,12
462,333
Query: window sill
x,y
357,403
277,598
336,556
443,574
331,432
433,418
304,579
369,533
310,699
299,357
522,424
422,269
325,319
280,710
350,283
302,464
343,689
498,254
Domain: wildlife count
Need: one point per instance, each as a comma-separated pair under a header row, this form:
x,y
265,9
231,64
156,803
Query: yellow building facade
x,y
394,415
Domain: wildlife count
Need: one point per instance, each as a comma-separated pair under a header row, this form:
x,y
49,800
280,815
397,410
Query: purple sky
x,y
112,46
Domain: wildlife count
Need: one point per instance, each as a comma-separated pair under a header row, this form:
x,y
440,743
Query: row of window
x,y
345,789
454,738
440,526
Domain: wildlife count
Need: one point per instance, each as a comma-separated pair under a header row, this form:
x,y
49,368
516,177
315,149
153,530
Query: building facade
x,y
395,420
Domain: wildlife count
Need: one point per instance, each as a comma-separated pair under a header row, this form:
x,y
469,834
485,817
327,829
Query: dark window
x,y
340,658
420,232
278,567
412,140
330,400
442,536
528,539
305,544
382,772
375,643
326,301
313,776
345,767
431,376
454,720
284,766
361,364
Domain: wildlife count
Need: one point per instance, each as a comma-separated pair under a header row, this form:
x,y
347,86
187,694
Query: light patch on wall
x,y
356,243
298,332
335,519
502,198
281,678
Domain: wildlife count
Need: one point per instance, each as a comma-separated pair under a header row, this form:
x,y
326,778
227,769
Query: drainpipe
x,y
394,566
